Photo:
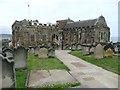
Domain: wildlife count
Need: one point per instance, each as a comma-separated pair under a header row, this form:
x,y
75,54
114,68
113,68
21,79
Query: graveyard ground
x,y
35,63
44,63
110,63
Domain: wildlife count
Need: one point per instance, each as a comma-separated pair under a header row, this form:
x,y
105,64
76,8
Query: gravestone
x,y
31,50
92,50
20,57
69,47
79,47
98,52
109,45
8,53
51,53
73,47
85,50
0,49
43,53
8,73
116,49
108,53
36,50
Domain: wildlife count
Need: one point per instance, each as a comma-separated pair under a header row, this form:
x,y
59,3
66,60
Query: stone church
x,y
66,32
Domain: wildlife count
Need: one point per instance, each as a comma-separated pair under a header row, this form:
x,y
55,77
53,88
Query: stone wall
x,y
32,33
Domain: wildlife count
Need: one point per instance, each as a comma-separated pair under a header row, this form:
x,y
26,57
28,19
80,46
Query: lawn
x,y
35,63
21,76
109,63
44,63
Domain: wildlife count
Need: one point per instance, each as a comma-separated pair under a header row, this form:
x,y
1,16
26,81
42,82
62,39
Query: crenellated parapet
x,y
32,32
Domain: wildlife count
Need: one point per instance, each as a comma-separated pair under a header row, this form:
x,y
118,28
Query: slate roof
x,y
78,24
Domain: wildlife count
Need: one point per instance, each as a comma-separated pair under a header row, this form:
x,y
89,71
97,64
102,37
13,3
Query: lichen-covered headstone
x,y
108,53
43,53
20,57
8,73
99,53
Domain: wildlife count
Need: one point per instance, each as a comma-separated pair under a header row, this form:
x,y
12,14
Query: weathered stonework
x,y
32,33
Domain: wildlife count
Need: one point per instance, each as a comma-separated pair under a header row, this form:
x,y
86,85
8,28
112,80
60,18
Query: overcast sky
x,y
51,10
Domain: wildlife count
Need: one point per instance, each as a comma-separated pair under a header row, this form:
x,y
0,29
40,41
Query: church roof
x,y
79,24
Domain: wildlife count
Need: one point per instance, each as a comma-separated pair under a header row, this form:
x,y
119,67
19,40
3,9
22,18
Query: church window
x,y
44,37
32,38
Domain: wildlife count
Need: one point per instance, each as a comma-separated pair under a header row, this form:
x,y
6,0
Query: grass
x,y
68,85
109,63
21,76
35,63
44,63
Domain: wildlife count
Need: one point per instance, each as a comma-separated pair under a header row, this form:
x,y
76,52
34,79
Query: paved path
x,y
89,75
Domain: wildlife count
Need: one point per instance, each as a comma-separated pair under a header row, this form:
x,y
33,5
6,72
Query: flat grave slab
x,y
41,78
77,64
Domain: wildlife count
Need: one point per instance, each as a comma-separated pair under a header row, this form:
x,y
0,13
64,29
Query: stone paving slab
x,y
40,78
89,75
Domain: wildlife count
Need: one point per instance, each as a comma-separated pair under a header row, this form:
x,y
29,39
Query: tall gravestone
x,y
0,71
43,52
99,52
20,57
8,73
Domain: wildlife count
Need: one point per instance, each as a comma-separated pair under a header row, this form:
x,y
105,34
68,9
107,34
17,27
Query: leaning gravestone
x,y
85,50
98,52
51,53
20,57
43,53
8,53
108,53
8,73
